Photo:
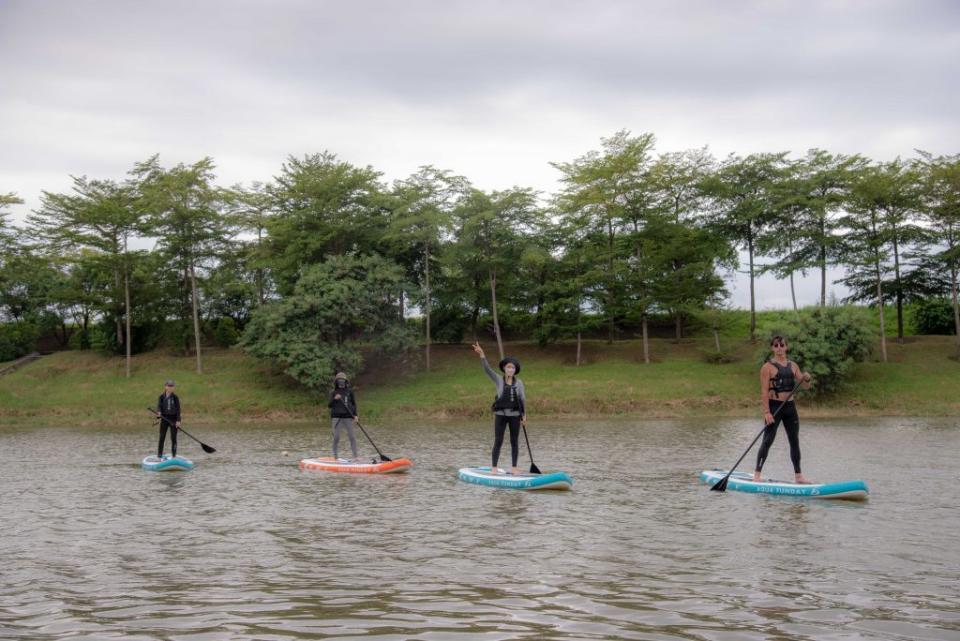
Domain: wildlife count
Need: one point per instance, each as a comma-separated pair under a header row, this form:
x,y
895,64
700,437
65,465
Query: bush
x,y
103,337
934,316
17,339
225,333
827,343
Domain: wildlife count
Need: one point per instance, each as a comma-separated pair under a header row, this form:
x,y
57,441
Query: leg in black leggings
x,y
791,424
499,427
163,435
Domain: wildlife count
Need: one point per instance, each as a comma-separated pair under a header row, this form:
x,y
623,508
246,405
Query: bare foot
x,y
514,470
756,477
801,479
494,470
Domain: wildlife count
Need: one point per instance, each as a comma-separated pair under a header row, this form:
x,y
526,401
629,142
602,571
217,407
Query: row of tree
x,y
327,255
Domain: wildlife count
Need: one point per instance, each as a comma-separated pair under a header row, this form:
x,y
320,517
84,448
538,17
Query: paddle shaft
x,y
533,466
721,485
206,448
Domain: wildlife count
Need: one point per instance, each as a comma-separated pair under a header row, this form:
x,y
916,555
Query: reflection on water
x,y
249,547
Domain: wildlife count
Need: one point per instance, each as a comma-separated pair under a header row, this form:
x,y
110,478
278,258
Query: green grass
x,y
84,388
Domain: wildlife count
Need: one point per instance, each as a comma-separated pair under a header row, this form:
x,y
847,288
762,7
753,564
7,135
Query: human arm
x,y
767,372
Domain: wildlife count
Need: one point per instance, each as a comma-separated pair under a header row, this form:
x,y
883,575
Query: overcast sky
x,y
493,91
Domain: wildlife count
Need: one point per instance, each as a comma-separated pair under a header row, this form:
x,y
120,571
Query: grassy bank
x,y
85,388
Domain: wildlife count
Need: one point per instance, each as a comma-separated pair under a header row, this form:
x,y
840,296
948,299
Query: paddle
x,y
533,466
385,459
721,485
206,448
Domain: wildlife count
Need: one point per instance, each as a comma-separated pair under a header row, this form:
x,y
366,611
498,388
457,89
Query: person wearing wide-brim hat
x,y
508,406
343,412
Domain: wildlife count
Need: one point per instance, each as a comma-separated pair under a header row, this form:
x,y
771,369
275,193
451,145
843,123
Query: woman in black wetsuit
x,y
778,377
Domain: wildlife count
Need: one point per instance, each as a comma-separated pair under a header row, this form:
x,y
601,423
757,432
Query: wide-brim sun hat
x,y
510,359
339,376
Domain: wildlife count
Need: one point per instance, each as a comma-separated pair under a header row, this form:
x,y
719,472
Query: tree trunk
x,y
678,325
196,317
823,265
716,337
116,275
953,293
883,329
753,298
579,346
646,341
493,302
427,302
611,327
896,269
126,298
793,294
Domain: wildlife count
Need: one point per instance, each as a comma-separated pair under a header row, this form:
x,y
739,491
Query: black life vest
x,y
508,399
784,381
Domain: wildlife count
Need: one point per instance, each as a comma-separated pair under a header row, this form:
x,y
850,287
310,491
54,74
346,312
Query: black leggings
x,y
791,425
163,435
499,426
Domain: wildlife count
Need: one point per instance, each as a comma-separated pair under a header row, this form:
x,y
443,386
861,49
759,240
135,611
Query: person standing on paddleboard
x,y
778,378
343,412
508,406
168,410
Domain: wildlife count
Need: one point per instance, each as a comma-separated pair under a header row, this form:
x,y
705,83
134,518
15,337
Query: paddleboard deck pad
x,y
166,464
483,476
743,482
330,464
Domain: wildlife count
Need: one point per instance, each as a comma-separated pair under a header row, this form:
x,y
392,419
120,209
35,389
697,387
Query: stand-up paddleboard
x,y
330,464
166,464
483,476
743,482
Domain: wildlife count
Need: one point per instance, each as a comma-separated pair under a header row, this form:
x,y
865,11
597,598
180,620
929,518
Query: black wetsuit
x,y
785,381
508,400
169,409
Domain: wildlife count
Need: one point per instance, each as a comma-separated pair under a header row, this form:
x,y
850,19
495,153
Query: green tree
x,y
892,191
336,307
420,219
742,191
606,194
941,203
491,236
323,207
101,215
186,216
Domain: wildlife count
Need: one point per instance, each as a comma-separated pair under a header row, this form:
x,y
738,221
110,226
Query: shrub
x,y
225,333
827,343
934,316
17,339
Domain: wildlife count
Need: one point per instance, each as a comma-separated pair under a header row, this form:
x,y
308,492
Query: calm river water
x,y
246,546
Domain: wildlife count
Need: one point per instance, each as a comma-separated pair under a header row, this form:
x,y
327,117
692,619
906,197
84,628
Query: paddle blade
x,y
207,448
534,469
385,459
721,485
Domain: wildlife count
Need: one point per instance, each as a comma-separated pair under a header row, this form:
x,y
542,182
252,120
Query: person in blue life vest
x,y
508,406
778,378
343,412
168,411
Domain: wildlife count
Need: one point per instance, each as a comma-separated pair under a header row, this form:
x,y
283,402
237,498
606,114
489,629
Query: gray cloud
x,y
493,90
